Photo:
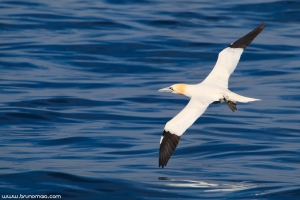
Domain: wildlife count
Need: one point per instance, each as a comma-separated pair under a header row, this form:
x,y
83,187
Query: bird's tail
x,y
239,98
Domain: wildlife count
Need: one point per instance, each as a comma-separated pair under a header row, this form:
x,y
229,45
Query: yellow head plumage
x,y
179,88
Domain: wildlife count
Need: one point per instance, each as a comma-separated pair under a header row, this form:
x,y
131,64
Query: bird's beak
x,y
167,89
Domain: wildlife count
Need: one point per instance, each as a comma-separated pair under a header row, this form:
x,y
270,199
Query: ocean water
x,y
80,115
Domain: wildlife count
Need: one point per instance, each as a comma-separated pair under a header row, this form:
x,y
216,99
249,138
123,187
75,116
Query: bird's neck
x,y
187,90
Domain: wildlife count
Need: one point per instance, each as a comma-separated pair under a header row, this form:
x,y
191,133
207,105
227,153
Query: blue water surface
x,y
80,115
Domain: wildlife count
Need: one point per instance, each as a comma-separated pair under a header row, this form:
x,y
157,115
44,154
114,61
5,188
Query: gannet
x,y
214,89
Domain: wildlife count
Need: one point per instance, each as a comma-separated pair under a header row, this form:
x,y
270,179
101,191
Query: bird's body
x,y
201,96
214,89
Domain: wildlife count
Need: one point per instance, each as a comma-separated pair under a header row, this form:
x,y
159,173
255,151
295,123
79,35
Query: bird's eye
x,y
171,88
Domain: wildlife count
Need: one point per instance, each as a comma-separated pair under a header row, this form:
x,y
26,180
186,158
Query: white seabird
x,y
214,89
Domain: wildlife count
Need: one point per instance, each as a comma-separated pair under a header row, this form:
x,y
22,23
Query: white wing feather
x,y
226,64
183,120
229,58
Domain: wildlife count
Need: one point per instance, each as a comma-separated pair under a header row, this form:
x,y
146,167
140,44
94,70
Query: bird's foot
x,y
231,104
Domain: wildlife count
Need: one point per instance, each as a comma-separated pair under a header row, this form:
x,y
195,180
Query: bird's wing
x,y
177,126
229,58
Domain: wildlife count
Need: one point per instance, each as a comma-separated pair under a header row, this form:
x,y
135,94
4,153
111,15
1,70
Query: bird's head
x,y
176,89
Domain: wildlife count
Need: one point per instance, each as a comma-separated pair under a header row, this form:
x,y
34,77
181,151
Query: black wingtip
x,y
167,147
248,38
